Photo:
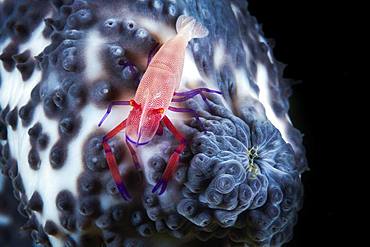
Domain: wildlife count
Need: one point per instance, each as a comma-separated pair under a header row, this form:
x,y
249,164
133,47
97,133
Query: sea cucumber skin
x,y
61,64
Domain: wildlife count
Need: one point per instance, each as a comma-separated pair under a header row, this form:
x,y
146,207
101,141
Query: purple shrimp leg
x,y
190,94
197,91
194,113
109,109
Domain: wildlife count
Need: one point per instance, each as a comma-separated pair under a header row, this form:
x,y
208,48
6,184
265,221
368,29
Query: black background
x,y
318,43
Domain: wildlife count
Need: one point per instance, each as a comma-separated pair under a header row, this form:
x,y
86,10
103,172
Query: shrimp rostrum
x,y
156,91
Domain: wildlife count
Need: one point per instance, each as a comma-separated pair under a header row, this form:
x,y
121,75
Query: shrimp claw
x,y
123,191
160,184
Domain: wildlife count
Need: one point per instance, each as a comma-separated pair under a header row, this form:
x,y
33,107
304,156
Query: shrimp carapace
x,y
152,99
142,123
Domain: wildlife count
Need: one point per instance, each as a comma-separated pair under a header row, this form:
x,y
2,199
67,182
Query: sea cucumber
x,y
62,61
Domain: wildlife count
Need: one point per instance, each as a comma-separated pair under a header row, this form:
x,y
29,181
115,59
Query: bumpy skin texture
x,y
10,219
238,182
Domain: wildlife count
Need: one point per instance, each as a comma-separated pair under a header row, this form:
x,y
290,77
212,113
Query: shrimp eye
x,y
160,110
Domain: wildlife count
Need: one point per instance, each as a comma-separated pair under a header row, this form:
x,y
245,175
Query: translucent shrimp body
x,y
159,82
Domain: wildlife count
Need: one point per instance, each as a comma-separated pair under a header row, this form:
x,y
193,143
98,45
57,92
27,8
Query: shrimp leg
x,y
109,109
174,158
190,94
133,154
194,113
111,160
160,129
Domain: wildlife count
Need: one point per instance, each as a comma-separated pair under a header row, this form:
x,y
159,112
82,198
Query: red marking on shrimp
x,y
153,97
112,164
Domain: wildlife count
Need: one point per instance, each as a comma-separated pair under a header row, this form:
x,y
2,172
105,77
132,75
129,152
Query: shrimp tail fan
x,y
191,28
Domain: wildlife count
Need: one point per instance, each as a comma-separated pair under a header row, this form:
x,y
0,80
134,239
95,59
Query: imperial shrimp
x,y
156,91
